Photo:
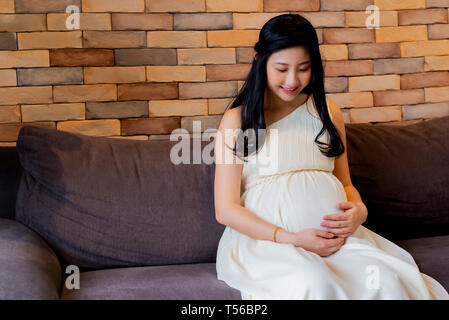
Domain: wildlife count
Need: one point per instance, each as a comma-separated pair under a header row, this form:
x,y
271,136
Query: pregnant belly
x,y
296,200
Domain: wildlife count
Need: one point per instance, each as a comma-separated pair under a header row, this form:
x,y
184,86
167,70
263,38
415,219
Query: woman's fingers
x,y
324,234
335,224
339,231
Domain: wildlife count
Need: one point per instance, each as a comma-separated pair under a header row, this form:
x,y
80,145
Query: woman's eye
x,y
301,70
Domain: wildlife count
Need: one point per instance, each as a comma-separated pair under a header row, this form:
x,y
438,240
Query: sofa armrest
x,y
29,267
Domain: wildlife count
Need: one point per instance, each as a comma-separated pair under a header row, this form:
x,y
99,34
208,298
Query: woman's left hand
x,y
345,223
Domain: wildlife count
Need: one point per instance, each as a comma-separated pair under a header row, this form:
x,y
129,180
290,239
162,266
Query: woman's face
x,y
288,72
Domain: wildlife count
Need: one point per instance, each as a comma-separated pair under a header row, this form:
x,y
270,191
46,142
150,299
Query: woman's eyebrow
x,y
286,64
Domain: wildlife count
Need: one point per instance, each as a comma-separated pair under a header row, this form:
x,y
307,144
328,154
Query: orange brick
x,y
147,91
25,95
288,5
149,126
425,48
425,111
53,112
234,6
99,128
245,55
24,59
8,78
399,4
438,94
22,22
437,4
422,16
251,20
114,39
439,31
6,6
227,72
398,97
325,19
113,6
9,132
334,52
218,89
82,93
176,73
175,6
142,21
46,40
10,114
206,56
375,114
352,99
348,35
432,63
424,79
166,108
343,5
348,68
374,50
401,34
218,106
335,84
398,66
88,21
176,39
44,6
114,74
359,18
232,38
202,21
374,83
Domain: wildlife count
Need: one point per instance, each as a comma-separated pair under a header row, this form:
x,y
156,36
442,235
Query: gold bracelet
x,y
275,230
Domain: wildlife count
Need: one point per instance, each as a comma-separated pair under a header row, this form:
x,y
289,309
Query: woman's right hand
x,y
321,242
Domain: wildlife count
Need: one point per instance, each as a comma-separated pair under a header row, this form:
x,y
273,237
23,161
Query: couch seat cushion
x,y
171,282
431,254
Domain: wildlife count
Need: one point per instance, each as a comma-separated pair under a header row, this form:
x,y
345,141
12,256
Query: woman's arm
x,y
356,213
227,187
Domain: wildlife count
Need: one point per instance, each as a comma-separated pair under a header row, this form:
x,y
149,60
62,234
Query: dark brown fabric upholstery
x,y
183,282
29,267
104,202
402,175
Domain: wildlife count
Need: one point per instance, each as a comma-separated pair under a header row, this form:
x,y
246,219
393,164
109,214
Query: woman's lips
x,y
289,92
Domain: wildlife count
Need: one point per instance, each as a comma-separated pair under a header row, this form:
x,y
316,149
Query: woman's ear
x,y
255,55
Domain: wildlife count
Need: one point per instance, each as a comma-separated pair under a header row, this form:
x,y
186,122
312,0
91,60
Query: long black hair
x,y
280,32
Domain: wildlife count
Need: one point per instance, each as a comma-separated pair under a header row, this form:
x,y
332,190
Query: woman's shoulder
x,y
231,119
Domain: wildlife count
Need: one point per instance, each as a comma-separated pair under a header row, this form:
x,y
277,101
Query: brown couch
x,y
138,226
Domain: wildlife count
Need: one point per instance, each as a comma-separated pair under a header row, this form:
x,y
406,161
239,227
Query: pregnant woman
x,y
293,218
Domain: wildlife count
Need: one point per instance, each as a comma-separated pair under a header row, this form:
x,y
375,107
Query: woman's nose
x,y
292,80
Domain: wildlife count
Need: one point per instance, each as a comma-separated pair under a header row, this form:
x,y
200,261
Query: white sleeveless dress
x,y
293,187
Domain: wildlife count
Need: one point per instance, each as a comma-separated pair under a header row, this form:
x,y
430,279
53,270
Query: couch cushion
x,y
402,175
174,282
29,268
103,202
431,255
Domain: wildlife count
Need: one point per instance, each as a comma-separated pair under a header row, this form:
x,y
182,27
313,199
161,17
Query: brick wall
x,y
141,68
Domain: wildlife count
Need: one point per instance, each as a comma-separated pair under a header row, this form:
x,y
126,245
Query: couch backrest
x,y
103,202
402,175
